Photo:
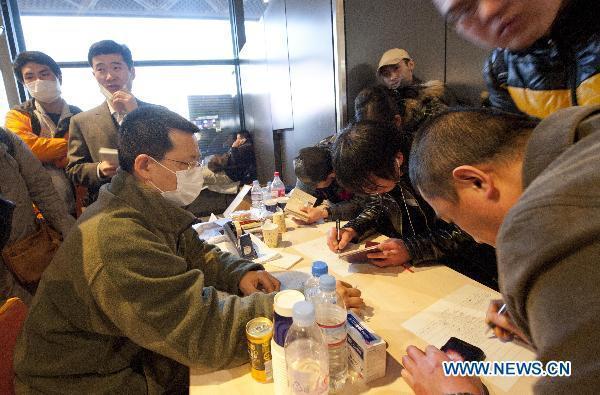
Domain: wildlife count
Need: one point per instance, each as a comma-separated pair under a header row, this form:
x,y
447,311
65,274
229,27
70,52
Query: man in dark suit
x,y
112,66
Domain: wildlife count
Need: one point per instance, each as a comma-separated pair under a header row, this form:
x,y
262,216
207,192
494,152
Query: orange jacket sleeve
x,y
53,150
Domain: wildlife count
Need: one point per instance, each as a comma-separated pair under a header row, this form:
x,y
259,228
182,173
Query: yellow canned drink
x,y
259,332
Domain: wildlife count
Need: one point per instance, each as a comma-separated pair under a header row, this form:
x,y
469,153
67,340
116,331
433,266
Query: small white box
x,y
366,350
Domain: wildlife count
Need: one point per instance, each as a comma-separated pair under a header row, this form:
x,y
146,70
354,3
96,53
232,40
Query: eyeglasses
x,y
190,165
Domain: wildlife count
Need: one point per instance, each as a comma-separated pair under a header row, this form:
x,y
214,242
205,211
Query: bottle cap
x,y
319,268
327,283
285,301
303,313
276,174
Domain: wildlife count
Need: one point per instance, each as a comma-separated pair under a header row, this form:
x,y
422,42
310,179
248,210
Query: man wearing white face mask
x,y
112,67
140,283
43,121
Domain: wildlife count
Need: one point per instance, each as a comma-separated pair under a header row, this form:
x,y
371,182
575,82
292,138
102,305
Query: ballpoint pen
x,y
337,229
492,325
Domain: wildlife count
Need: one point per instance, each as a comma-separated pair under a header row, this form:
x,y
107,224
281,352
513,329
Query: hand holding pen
x,y
498,319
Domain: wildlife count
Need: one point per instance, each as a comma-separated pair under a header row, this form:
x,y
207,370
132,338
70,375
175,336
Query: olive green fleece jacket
x,y
130,300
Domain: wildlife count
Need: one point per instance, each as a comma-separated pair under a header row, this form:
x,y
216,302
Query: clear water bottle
x,y
277,187
306,353
311,286
266,191
256,195
331,317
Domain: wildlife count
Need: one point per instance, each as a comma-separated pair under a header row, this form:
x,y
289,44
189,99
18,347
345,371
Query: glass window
x,y
148,38
154,30
4,107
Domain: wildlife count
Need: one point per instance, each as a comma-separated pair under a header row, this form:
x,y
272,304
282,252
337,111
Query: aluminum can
x,y
259,332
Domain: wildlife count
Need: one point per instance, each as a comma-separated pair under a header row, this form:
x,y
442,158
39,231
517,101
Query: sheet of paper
x,y
285,261
317,250
461,314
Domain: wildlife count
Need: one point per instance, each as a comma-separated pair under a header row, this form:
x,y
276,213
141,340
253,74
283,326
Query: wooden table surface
x,y
392,296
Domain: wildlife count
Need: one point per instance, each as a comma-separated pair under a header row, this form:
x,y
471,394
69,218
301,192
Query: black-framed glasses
x,y
190,165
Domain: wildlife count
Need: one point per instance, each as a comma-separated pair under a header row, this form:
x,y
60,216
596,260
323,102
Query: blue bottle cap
x,y
327,283
319,268
303,313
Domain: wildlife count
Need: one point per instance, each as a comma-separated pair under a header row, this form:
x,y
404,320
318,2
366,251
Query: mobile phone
x,y
466,350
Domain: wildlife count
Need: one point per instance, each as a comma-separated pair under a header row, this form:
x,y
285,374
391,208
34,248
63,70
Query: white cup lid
x,y
285,301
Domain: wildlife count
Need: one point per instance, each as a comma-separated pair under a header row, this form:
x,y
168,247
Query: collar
x,y
554,135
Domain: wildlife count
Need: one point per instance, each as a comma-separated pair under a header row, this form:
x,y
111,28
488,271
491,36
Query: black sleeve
x,y
495,75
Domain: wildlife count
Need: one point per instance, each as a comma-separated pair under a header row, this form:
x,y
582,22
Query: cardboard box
x,y
366,350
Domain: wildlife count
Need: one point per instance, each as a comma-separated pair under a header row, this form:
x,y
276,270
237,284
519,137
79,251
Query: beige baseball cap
x,y
393,56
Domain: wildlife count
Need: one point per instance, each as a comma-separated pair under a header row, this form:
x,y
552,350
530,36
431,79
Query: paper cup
x,y
271,234
279,220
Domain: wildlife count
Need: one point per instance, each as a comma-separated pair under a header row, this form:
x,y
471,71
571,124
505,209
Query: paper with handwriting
x,y
462,314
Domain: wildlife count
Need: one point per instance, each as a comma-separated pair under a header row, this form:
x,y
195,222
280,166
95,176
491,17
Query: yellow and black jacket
x,y
558,71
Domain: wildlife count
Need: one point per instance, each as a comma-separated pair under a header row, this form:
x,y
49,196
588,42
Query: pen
x,y
491,325
337,229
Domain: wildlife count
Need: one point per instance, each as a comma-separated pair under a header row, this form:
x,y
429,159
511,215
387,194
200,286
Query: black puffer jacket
x,y
558,71
401,213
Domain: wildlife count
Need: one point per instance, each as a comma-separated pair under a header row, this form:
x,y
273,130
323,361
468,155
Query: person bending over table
x,y
315,176
370,158
130,300
534,193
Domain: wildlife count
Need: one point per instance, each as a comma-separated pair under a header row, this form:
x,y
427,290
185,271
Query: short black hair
x,y
146,131
35,57
313,165
375,104
366,149
108,47
464,136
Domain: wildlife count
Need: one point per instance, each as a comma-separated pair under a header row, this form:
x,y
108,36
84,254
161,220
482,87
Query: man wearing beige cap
x,y
417,100
396,68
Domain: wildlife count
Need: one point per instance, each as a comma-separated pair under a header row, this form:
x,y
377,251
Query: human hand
x,y
351,295
393,253
314,214
504,328
346,236
238,141
107,169
124,102
423,372
257,281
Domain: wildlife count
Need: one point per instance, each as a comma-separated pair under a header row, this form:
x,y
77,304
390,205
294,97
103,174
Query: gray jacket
x,y
549,248
130,301
24,181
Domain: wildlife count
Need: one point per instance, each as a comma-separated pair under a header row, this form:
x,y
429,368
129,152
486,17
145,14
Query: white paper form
x,y
317,250
462,314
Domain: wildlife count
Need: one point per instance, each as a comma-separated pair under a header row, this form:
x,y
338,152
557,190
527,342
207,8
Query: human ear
x,y
472,177
141,166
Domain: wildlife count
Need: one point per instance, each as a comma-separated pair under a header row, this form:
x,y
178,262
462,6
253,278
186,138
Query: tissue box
x,y
366,350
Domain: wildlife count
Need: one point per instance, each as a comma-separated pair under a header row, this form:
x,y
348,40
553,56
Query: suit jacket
x,y
88,132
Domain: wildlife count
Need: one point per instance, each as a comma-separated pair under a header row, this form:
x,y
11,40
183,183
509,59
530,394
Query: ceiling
x,y
201,9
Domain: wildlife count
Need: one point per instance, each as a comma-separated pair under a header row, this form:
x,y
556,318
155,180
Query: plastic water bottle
x,y
311,286
331,317
306,353
266,191
277,187
256,195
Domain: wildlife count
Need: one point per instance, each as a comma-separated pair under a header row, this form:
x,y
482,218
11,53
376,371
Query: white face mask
x,y
44,90
189,185
105,92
